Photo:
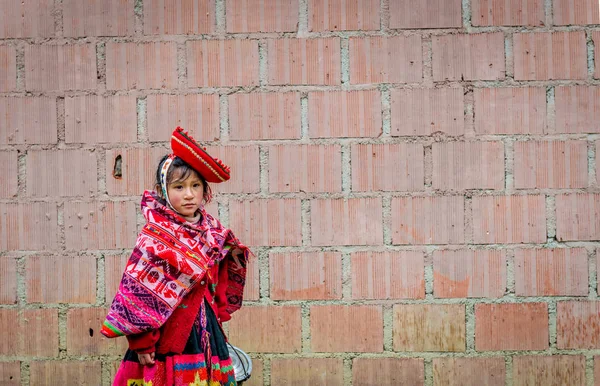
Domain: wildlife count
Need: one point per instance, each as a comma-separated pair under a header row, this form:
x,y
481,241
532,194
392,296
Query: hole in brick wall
x,y
117,171
91,332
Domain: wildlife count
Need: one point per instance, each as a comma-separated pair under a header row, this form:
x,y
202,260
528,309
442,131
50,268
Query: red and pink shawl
x,y
170,258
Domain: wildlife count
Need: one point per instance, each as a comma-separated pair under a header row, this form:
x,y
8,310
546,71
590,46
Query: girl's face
x,y
186,194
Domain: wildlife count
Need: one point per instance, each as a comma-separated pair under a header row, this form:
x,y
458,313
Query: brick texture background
x,y
419,181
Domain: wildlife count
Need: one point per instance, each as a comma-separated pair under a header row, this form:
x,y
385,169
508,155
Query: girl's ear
x,y
158,190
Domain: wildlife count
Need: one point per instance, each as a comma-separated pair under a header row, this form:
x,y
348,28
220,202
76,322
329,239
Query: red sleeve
x,y
145,342
221,292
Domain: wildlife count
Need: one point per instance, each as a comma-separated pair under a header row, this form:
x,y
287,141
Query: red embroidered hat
x,y
184,147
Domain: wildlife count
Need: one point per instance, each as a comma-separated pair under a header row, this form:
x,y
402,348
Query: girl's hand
x,y
146,359
236,253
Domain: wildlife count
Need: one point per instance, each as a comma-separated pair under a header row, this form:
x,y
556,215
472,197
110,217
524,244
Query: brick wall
x,y
419,181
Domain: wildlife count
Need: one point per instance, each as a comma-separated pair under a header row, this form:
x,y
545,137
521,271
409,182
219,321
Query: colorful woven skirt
x,y
189,368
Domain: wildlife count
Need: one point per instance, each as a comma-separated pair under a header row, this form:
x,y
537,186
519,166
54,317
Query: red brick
x,y
83,334
578,325
305,168
77,372
61,279
578,217
179,17
30,120
305,276
550,55
339,328
568,12
429,327
92,18
151,65
340,15
257,378
252,287
214,63
279,330
551,272
212,208
510,110
468,165
344,113
343,221
9,173
551,164
100,119
388,275
507,13
469,371
511,326
244,161
60,68
61,173
469,273
596,40
137,170
425,14
556,370
29,226
8,280
388,371
10,373
264,116
114,266
304,61
39,330
509,219
8,68
281,217
468,57
598,161
198,113
388,167
100,225
428,220
27,19
262,16
307,371
32,332
426,111
379,59
577,109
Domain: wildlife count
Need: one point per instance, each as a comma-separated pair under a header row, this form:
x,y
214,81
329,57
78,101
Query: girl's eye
x,y
179,187
196,185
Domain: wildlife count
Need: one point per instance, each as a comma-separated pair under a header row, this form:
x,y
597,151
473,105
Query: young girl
x,y
185,276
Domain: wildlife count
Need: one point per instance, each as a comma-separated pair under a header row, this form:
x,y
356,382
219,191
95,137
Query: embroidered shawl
x,y
171,256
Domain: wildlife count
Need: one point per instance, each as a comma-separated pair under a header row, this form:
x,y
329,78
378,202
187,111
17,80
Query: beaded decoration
x,y
163,177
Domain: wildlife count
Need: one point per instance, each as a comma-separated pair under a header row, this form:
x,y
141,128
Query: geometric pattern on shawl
x,y
170,257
